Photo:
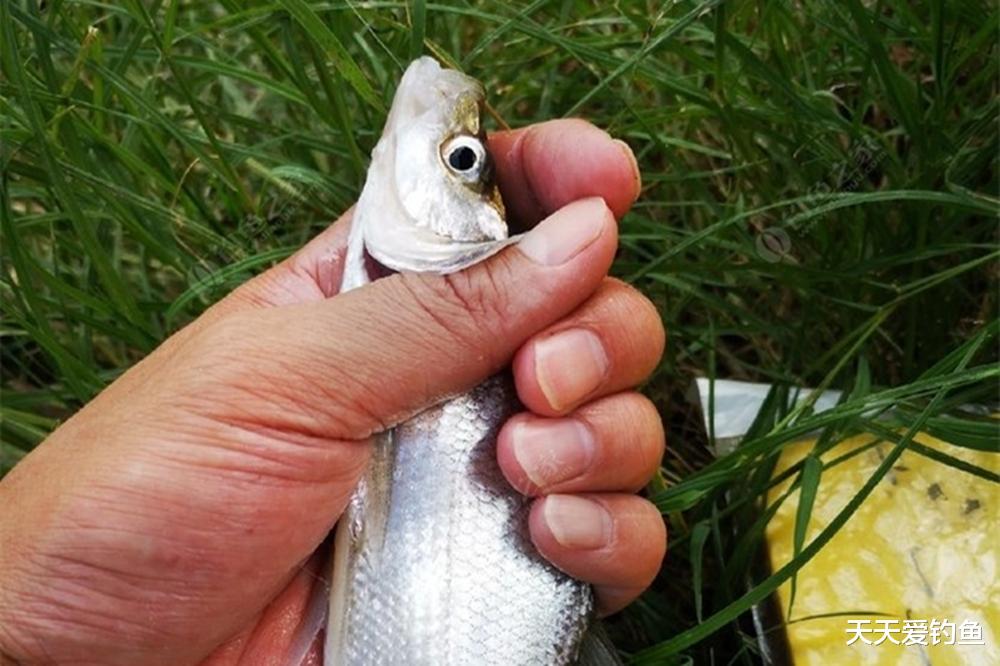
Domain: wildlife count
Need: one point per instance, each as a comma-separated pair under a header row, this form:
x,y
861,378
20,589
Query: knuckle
x,y
648,323
647,414
643,449
637,307
650,534
227,354
631,427
349,410
629,316
225,340
214,357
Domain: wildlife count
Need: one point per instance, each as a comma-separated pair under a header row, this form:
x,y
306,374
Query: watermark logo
x,y
915,632
212,273
774,245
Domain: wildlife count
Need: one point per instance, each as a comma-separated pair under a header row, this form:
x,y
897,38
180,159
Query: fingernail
x,y
569,366
630,156
564,234
552,450
576,522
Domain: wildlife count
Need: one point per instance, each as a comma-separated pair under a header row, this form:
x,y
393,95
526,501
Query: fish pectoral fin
x,y
596,648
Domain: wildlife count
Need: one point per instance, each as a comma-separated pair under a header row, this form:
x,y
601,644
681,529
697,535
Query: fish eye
x,y
465,156
462,158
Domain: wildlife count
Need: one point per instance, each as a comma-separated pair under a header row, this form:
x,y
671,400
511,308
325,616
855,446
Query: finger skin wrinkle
x,y
440,303
281,288
470,310
644,335
654,337
83,597
485,299
634,423
240,380
256,455
344,398
140,566
14,644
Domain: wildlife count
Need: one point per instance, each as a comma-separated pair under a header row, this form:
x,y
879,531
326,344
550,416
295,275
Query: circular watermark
x,y
774,245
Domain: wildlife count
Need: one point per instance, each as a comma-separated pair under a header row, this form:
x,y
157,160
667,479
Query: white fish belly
x,y
434,561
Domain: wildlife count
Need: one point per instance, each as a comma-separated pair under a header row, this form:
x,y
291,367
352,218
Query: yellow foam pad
x,y
923,546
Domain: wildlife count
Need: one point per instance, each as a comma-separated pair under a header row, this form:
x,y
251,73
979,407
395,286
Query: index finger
x,y
543,167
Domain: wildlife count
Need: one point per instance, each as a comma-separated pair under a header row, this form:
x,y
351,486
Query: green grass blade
x,y
809,480
314,26
418,27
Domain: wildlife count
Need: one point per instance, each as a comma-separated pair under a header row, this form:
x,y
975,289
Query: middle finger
x,y
610,343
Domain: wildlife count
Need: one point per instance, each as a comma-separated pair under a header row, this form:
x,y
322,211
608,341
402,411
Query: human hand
x,y
173,518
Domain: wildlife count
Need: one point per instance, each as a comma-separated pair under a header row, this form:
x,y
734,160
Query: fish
x,y
432,561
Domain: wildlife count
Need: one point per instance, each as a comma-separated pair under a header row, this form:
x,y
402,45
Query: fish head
x,y
430,201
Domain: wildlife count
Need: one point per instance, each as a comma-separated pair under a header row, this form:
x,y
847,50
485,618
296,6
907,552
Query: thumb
x,y
141,524
367,359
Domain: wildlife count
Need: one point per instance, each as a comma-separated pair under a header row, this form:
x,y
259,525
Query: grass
x,y
820,208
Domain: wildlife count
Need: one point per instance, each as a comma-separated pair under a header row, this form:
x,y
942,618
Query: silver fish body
x,y
433,563
442,569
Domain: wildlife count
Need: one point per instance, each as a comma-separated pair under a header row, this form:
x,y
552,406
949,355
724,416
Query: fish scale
x,y
454,577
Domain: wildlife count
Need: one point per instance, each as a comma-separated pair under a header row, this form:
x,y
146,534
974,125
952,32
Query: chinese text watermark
x,y
914,632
